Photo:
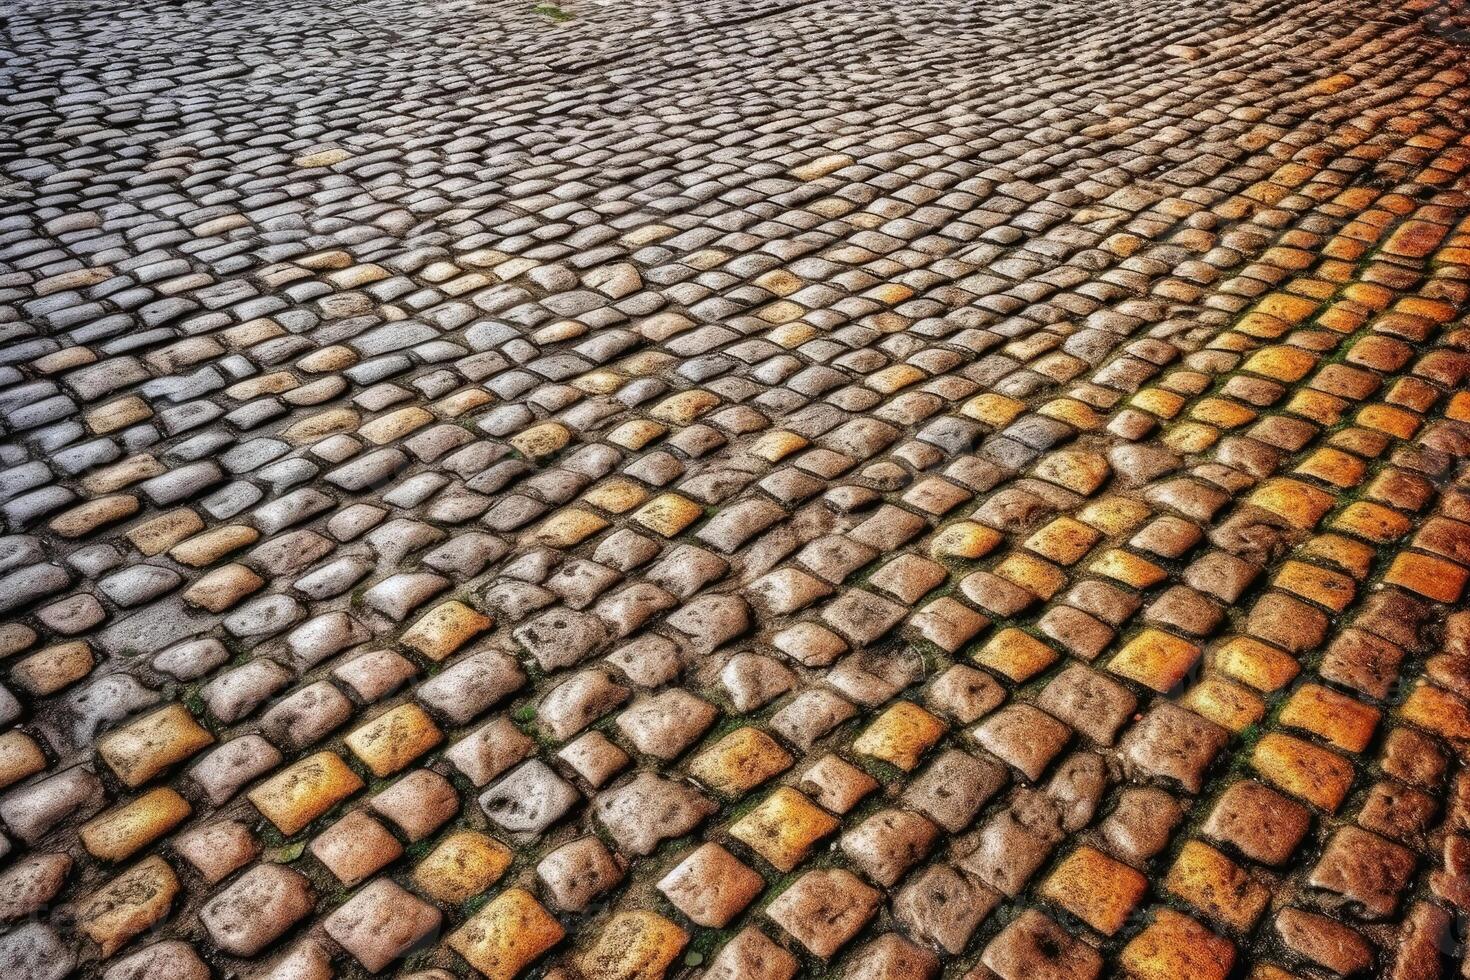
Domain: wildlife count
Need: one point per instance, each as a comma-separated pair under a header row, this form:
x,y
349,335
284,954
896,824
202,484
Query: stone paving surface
x,y
850,488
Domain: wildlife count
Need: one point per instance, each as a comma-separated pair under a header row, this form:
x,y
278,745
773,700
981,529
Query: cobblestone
x,y
738,489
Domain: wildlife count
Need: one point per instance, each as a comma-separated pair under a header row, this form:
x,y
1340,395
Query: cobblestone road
x,y
850,488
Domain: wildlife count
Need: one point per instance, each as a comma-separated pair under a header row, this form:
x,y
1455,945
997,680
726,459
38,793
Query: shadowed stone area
x,y
738,489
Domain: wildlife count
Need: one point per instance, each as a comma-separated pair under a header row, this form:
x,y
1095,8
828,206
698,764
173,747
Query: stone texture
x,y
596,475
256,909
